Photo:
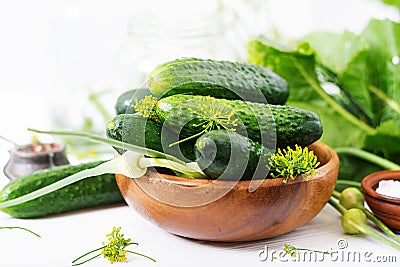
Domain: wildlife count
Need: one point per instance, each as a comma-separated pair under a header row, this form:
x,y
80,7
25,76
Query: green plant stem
x,y
312,250
381,225
350,183
187,138
336,194
374,219
337,206
140,254
21,228
390,102
94,98
364,228
384,163
112,142
342,111
84,255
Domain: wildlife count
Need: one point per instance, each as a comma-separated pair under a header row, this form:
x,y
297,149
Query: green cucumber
x,y
136,130
91,192
222,79
269,125
226,155
127,99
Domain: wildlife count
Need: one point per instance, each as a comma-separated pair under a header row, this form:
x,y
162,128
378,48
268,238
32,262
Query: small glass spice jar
x,y
26,159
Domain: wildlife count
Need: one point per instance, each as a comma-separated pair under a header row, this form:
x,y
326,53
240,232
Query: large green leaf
x,y
392,2
354,77
296,66
335,50
383,39
386,140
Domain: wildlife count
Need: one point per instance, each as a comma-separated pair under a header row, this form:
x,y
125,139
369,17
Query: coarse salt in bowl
x,y
390,188
381,191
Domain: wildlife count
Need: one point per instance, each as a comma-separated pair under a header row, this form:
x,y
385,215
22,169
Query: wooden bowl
x,y
386,208
231,211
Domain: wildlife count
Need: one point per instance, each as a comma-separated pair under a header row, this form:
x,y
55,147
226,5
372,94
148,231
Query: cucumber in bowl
x,y
269,125
226,155
221,79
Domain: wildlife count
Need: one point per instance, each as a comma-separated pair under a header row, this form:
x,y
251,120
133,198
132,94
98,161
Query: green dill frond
x,y
114,249
290,250
145,107
215,114
289,163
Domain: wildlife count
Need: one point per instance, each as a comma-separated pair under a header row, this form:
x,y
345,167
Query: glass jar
x,y
157,38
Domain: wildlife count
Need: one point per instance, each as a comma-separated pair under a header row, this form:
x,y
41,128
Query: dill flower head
x,y
114,249
145,107
289,163
214,114
290,250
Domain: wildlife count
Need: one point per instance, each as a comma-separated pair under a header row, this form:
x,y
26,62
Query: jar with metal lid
x,y
26,159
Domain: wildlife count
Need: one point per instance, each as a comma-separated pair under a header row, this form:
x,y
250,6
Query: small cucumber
x,y
265,124
223,154
222,79
127,99
90,192
136,130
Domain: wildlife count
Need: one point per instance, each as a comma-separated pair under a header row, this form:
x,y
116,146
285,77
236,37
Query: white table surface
x,y
67,236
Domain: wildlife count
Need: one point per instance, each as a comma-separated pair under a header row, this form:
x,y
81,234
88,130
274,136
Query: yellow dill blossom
x,y
292,250
215,113
114,249
290,163
145,107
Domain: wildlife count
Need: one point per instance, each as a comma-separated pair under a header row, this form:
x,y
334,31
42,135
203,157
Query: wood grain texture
x,y
386,208
231,211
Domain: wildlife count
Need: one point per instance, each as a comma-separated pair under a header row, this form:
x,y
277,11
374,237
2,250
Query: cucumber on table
x,y
136,130
125,101
90,192
222,79
223,154
189,115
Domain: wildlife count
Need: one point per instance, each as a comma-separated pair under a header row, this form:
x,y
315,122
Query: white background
x,y
54,53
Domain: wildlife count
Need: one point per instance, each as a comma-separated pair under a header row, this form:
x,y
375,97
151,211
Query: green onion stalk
x,y
132,163
354,221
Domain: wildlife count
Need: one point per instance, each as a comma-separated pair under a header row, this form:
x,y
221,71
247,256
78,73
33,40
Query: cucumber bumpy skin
x,y
136,130
222,79
226,155
262,123
91,192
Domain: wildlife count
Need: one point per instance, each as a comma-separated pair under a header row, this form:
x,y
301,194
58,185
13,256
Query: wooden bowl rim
x,y
333,161
370,182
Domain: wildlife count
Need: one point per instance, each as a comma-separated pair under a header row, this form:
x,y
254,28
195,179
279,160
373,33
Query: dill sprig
x,y
292,250
214,114
20,228
289,163
114,249
145,107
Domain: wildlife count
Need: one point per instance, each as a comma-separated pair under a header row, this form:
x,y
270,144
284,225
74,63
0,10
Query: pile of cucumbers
x,y
228,117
